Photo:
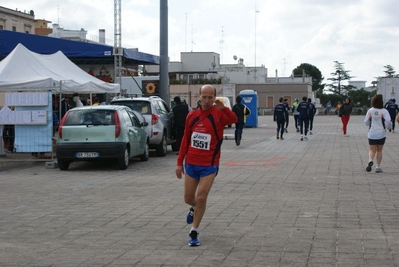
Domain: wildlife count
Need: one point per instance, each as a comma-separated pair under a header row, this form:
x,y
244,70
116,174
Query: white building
x,y
388,87
206,65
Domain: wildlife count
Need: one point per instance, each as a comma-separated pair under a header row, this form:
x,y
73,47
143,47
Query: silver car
x,y
95,133
156,112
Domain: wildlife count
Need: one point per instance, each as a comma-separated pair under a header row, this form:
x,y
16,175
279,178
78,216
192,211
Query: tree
x,y
340,75
313,72
389,71
361,98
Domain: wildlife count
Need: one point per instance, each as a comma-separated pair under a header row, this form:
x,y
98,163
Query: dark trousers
x,y
238,131
303,123
393,120
179,135
311,123
296,118
286,123
280,127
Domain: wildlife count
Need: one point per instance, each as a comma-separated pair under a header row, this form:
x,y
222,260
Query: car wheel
x,y
146,154
162,147
123,162
63,165
175,146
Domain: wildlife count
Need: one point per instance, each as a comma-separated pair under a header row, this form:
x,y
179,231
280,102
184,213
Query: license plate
x,y
87,154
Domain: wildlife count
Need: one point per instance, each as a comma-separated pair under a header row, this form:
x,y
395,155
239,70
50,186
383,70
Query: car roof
x,y
99,107
136,98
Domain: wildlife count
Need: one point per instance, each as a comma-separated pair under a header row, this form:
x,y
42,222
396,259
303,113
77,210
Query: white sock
x,y
378,166
194,229
370,160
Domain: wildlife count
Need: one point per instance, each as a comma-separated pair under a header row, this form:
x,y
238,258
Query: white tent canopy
x,y
24,70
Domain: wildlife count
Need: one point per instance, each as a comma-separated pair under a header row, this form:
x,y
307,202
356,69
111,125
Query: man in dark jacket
x,y
241,112
180,111
303,119
312,112
392,108
280,116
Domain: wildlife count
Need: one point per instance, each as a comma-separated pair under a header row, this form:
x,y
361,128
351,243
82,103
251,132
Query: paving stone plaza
x,y
273,203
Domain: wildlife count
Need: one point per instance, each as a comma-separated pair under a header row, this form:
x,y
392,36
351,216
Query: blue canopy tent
x,y
77,52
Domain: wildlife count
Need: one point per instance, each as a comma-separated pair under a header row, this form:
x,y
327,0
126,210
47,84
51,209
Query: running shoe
x,y
286,130
310,133
301,138
190,216
281,138
193,241
378,169
306,138
277,136
368,168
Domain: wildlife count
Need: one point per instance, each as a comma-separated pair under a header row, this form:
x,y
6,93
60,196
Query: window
x,y
14,29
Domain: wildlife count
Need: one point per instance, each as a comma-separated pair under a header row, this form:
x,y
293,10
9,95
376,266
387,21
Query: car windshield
x,y
89,116
144,107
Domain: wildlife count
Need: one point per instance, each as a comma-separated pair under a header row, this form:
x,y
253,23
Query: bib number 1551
x,y
200,141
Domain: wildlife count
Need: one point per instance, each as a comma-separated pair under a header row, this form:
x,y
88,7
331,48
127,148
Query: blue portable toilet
x,y
250,99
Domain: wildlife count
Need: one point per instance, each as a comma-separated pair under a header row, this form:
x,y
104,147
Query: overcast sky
x,y
363,34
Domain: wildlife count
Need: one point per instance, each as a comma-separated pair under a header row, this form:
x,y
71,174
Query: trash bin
x,y
250,99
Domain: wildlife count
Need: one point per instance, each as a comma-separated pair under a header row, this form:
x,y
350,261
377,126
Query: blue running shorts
x,y
197,172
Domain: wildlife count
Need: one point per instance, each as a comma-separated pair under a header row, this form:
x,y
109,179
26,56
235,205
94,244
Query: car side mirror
x,y
144,124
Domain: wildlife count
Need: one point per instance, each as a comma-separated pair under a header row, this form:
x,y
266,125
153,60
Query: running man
x,y
392,108
200,151
280,116
303,118
296,113
312,112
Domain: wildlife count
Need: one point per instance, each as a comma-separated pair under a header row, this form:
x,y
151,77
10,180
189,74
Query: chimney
x,y
101,34
276,76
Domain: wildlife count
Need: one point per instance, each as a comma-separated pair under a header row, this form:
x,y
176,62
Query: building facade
x,y
17,21
388,87
233,79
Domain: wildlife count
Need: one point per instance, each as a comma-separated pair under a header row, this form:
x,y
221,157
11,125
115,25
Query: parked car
x,y
156,112
95,133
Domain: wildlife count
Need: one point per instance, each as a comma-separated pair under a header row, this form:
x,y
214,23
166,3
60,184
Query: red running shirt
x,y
203,136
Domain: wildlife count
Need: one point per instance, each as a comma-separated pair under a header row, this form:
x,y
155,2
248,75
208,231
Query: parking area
x,y
273,203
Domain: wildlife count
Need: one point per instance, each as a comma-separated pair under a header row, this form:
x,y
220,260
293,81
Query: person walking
x,y
312,112
200,151
179,113
328,108
378,120
392,107
280,116
241,112
303,118
287,107
296,113
344,112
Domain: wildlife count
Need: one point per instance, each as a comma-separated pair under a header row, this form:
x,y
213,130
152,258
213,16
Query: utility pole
x,y
256,13
163,53
118,52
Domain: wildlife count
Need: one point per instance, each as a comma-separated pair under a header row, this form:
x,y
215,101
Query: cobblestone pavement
x,y
273,203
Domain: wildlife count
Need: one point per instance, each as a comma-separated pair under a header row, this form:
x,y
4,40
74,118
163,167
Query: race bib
x,y
201,140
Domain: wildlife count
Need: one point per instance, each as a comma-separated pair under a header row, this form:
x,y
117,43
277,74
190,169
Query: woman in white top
x,y
378,119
